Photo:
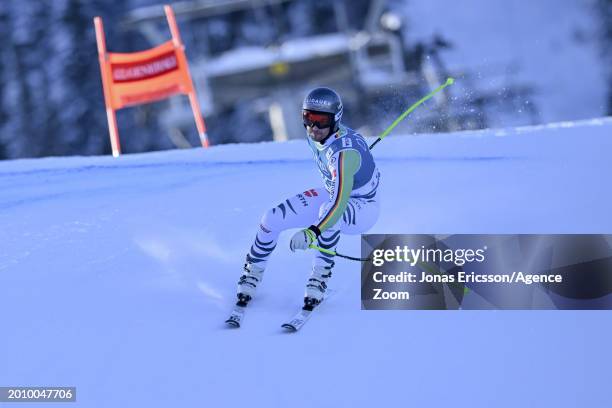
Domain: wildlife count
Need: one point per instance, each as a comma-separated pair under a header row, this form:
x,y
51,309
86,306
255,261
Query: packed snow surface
x,y
116,276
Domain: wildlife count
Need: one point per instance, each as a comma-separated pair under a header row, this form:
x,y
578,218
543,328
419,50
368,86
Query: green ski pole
x,y
388,130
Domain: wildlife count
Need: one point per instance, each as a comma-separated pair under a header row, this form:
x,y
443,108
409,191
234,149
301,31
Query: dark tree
x,y
607,18
4,55
31,116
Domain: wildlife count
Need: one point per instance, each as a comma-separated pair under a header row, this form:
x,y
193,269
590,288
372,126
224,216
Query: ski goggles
x,y
321,119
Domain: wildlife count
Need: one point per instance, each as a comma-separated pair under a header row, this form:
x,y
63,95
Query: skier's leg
x,y
297,211
321,268
360,215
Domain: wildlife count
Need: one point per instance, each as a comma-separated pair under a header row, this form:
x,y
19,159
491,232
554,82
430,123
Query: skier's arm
x,y
346,166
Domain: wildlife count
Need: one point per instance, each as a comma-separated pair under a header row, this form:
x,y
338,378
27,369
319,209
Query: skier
x,y
347,205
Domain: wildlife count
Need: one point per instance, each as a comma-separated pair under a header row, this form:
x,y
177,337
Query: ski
x,y
237,315
298,320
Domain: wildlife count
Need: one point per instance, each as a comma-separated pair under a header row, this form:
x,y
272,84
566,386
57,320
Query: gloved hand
x,y
302,239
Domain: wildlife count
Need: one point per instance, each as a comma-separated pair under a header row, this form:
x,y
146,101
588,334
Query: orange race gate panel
x,y
140,77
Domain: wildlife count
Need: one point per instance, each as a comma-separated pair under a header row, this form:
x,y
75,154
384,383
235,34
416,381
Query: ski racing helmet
x,y
326,101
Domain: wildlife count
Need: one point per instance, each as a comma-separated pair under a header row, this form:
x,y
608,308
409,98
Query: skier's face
x,y
317,124
317,134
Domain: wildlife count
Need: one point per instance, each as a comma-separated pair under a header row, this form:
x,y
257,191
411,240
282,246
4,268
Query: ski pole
x,y
449,81
327,251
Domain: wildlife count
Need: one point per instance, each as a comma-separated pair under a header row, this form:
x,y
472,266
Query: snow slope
x,y
116,276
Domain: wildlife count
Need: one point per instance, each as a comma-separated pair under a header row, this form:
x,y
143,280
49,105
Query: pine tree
x,y
31,118
605,11
22,130
4,39
83,120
